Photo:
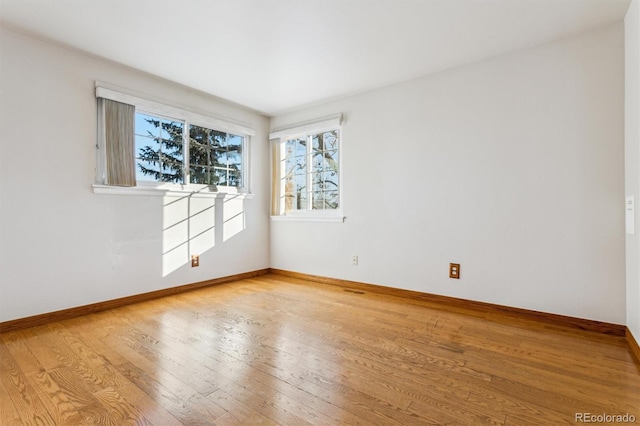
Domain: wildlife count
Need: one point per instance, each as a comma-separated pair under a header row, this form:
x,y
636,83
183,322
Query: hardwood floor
x,y
280,350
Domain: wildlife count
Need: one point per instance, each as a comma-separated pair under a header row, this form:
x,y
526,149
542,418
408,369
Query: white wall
x,y
61,245
513,167
632,159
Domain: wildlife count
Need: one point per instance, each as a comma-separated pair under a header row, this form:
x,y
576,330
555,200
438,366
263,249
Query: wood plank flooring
x,y
280,350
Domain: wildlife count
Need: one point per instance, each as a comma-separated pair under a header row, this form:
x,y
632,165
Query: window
x,y
214,157
168,146
307,170
310,172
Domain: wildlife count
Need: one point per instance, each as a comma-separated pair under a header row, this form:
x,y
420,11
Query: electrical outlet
x,y
354,260
195,260
454,270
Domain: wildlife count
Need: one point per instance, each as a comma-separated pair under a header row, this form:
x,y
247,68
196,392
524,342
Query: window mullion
x,y
186,172
280,166
310,172
160,140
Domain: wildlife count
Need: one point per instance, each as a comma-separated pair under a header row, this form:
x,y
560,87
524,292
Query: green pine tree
x,y
167,160
214,157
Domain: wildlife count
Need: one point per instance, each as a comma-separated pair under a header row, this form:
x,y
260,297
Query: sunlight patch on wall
x,y
175,233
202,221
233,215
188,228
195,223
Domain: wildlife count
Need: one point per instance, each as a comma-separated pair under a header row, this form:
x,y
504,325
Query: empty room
x,y
328,212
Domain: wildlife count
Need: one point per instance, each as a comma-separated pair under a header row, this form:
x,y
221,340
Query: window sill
x,y
171,190
308,218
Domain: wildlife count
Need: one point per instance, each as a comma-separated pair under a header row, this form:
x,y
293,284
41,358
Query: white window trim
x,y
161,189
316,126
283,134
146,104
335,217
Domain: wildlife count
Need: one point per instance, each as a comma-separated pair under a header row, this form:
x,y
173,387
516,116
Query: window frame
x,y
159,109
306,130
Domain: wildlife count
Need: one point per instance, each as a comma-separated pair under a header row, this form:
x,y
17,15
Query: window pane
x,y
295,174
146,125
173,148
198,153
220,177
318,163
211,177
172,131
301,200
296,192
300,181
289,195
296,165
325,168
295,201
199,134
220,139
235,178
203,176
219,150
331,200
219,158
331,140
330,180
289,165
296,147
318,186
144,144
234,142
325,200
172,166
318,201
159,151
331,158
290,148
235,161
325,141
146,170
198,175
234,156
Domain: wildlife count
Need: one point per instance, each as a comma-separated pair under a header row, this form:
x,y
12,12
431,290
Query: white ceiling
x,y
277,55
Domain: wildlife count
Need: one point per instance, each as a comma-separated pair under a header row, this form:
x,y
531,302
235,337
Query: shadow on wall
x,y
194,224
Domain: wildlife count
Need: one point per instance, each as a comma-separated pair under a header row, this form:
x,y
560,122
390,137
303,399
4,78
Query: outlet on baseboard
x,y
454,270
195,260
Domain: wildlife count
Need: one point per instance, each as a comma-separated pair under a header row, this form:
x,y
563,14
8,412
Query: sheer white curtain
x,y
275,177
